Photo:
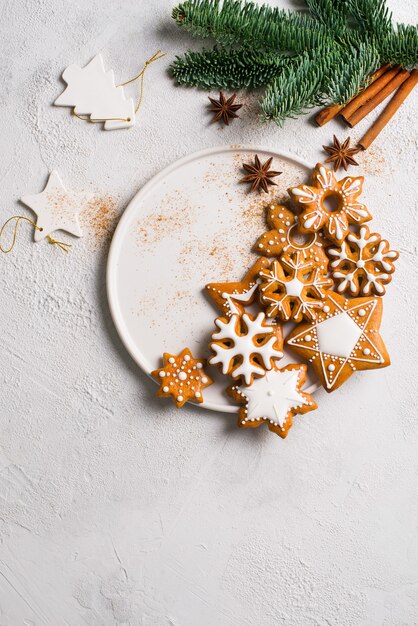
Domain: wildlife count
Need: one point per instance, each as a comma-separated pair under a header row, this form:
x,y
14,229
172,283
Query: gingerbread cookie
x,y
236,297
344,338
293,289
245,346
333,219
363,265
286,238
181,378
274,399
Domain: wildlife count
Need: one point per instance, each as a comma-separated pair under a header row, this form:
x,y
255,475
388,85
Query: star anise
x,y
224,108
259,175
341,154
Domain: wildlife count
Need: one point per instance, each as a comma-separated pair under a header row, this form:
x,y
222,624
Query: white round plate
x,y
192,224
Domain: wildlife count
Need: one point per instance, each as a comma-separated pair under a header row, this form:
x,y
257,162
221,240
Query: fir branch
x,y
224,69
330,13
372,16
237,22
297,88
348,76
400,47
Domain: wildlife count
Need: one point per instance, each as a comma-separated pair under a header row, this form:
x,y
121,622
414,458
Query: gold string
x,y
155,57
19,218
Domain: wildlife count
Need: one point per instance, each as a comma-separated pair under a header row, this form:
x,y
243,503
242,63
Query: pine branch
x,y
237,22
372,16
297,88
400,47
223,69
348,76
330,13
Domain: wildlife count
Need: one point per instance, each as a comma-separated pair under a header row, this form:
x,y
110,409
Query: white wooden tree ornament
x,y
92,91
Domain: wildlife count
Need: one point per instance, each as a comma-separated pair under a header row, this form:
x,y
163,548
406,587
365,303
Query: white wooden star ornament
x,y
56,208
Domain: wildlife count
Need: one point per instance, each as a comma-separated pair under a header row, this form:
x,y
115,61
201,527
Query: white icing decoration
x,y
171,359
304,278
368,266
361,312
340,339
179,398
338,335
186,357
166,389
182,376
244,346
243,297
162,374
272,397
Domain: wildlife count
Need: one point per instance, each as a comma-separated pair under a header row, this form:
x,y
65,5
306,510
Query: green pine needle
x,y
348,76
247,24
303,59
224,69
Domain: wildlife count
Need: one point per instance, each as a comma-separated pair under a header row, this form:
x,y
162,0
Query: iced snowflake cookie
x,y
329,204
344,338
286,238
245,346
182,378
273,399
236,297
293,288
364,264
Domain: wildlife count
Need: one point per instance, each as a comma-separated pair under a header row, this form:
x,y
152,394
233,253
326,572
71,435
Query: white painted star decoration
x,y
57,208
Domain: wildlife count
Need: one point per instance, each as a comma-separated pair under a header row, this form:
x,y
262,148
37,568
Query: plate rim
x,y
111,264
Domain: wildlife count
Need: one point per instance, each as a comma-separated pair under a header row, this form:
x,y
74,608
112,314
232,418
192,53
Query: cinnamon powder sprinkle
x,y
100,218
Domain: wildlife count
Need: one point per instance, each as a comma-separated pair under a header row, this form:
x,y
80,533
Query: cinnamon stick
x,y
381,79
378,98
327,114
389,111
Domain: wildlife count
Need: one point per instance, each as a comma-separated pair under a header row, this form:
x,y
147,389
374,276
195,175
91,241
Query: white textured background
x,y
116,509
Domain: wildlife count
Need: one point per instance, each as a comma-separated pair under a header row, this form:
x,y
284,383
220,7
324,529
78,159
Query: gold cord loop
x,y
155,57
19,218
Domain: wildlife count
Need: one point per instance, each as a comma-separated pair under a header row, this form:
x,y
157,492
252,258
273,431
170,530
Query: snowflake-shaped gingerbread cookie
x,y
286,238
274,399
182,378
245,346
293,288
364,264
329,204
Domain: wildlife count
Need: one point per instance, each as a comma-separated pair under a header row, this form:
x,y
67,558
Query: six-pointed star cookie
x,y
234,298
182,378
57,208
344,338
274,399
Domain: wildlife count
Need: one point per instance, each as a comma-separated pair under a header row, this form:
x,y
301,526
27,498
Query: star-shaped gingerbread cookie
x,y
344,338
56,208
274,399
182,378
234,298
